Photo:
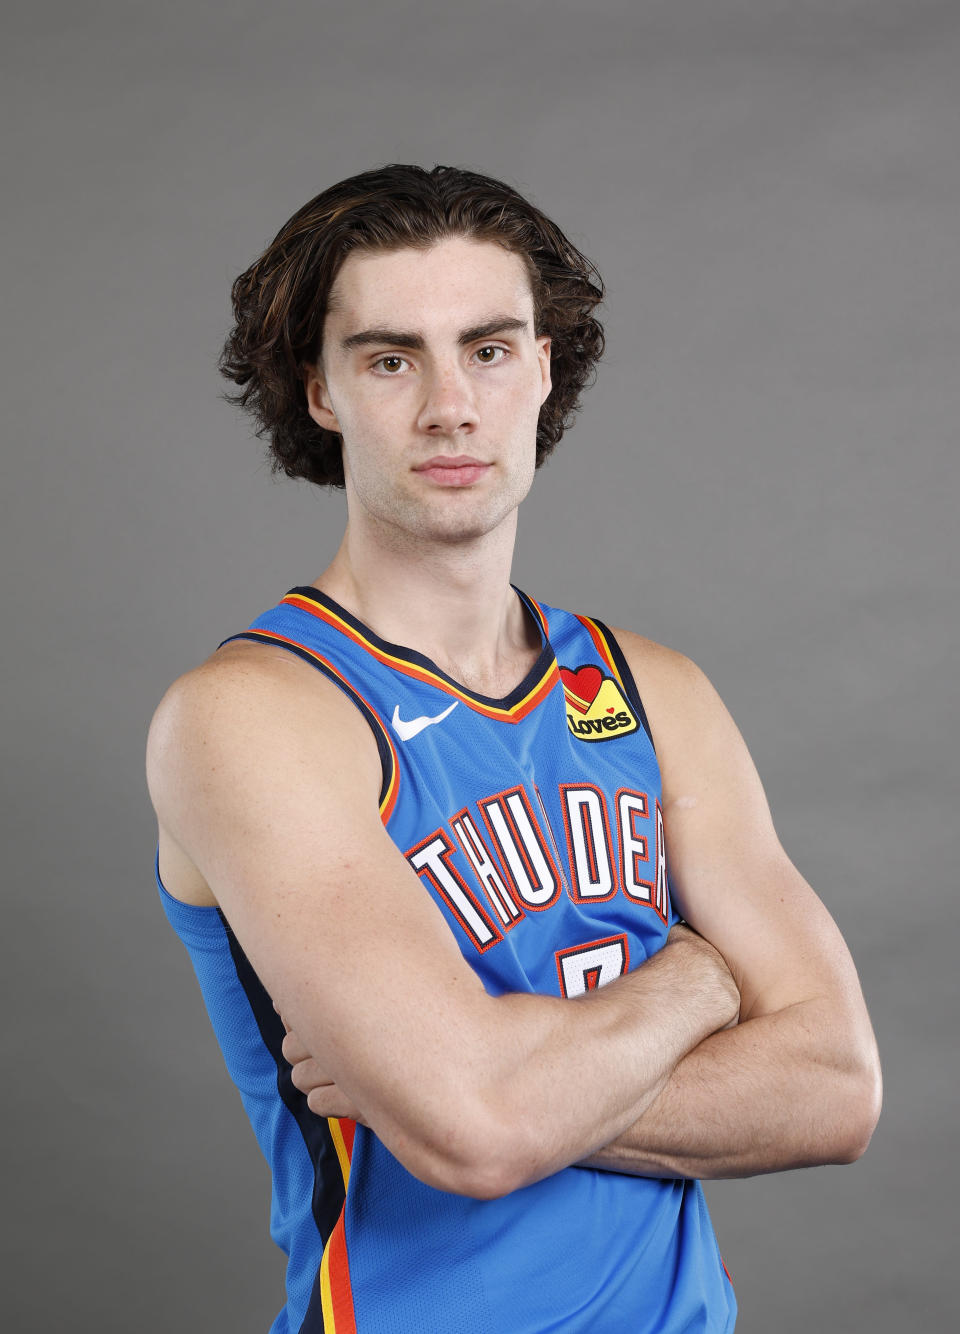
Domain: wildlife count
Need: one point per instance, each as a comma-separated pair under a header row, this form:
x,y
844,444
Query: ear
x,y
543,355
318,399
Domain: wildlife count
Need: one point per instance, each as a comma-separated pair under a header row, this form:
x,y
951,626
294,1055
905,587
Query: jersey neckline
x,y
535,685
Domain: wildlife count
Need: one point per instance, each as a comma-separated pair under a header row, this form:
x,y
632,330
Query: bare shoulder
x,y
677,695
247,693
649,658
704,761
249,722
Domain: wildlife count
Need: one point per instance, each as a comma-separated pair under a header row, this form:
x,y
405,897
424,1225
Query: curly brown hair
x,y
279,303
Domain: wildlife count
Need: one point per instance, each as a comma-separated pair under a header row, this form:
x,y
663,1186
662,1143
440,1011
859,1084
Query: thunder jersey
x,y
534,823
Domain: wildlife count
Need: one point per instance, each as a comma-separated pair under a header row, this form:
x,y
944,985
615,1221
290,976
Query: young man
x,y
428,821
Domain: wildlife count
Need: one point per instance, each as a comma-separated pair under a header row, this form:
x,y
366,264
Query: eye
x,y
488,355
390,364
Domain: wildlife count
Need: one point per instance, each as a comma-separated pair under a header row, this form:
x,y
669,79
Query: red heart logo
x,y
583,684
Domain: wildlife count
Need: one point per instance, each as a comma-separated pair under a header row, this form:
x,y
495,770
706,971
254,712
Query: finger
x,y
307,1075
293,1049
329,1101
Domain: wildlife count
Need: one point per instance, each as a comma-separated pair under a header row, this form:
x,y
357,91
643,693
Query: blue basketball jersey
x,y
534,822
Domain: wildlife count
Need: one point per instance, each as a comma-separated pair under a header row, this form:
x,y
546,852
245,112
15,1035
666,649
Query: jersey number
x,y
586,967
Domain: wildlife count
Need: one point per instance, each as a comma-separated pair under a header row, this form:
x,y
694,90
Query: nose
x,y
449,405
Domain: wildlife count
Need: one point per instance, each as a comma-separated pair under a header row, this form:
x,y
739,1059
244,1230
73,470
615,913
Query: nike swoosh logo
x,y
406,731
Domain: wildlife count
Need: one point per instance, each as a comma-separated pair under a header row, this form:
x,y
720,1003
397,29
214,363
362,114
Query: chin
x,y
450,517
454,529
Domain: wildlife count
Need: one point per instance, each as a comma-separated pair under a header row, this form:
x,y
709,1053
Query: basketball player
x,y
449,833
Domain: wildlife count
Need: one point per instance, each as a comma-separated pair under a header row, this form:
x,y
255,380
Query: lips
x,y
447,461
453,470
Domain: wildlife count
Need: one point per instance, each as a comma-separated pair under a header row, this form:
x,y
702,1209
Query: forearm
x,y
604,1061
510,1089
780,1091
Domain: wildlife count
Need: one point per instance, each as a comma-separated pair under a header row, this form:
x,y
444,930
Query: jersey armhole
x,y
389,768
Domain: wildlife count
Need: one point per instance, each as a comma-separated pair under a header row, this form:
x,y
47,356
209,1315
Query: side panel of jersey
x,y
308,1164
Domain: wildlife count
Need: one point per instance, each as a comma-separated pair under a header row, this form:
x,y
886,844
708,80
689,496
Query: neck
x,y
450,601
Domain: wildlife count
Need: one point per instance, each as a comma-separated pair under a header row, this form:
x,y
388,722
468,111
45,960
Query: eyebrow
x,y
415,341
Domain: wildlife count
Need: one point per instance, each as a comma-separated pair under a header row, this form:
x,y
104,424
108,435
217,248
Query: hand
x,y
728,995
323,1096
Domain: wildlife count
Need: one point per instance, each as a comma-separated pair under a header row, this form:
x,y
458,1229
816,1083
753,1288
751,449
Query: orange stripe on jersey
x,y
336,1294
538,611
348,1129
515,714
389,798
600,643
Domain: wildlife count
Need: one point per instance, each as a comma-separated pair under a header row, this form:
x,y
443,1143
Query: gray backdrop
x,y
764,477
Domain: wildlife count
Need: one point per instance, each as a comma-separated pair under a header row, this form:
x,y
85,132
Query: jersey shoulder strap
x,y
589,656
286,627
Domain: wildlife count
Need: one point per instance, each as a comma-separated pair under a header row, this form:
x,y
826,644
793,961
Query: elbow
x,y
862,1110
507,1152
491,1168
489,1180
469,1155
460,1171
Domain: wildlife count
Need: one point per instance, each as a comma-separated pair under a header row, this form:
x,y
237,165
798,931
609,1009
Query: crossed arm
x,y
391,1024
797,1082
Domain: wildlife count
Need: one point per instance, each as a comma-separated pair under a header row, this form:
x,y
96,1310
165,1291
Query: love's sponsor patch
x,y
596,707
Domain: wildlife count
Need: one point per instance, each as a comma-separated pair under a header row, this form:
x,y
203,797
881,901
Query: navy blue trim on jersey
x,y
328,1188
409,655
633,694
383,745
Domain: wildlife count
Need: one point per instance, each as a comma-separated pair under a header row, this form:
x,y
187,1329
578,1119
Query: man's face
x,y
433,376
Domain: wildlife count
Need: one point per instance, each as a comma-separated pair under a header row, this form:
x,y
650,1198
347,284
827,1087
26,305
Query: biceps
x,y
779,941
